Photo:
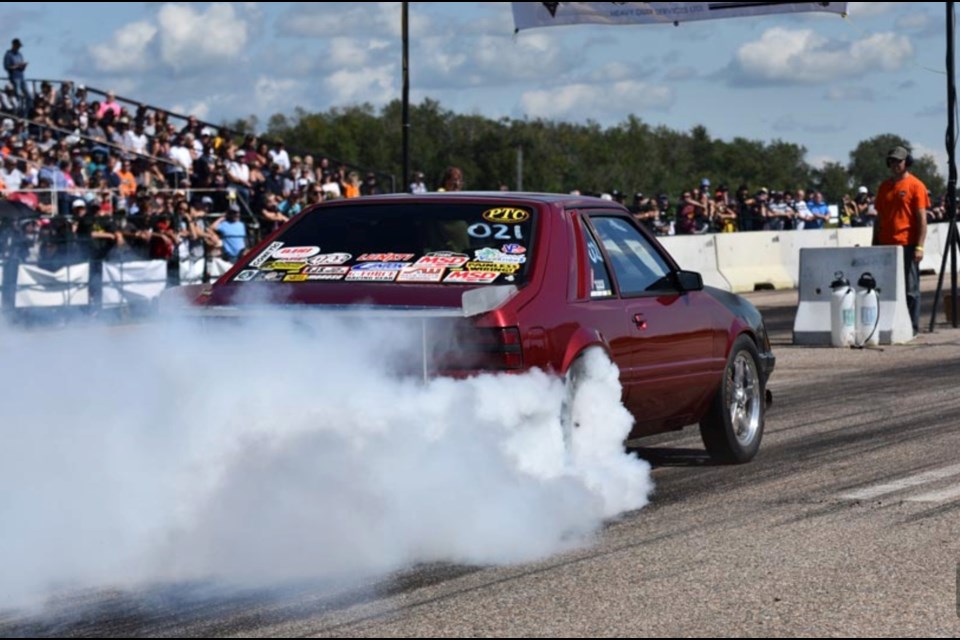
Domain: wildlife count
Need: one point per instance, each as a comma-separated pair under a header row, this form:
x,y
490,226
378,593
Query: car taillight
x,y
481,349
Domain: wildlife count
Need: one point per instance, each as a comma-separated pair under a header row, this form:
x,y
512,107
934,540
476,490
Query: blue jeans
x,y
911,278
23,94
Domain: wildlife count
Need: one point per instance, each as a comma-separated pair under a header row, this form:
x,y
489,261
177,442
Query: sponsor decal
x,y
371,275
330,259
265,255
492,255
507,215
285,266
246,276
296,277
380,266
326,273
514,249
506,232
386,257
421,274
471,277
270,276
443,259
496,267
296,253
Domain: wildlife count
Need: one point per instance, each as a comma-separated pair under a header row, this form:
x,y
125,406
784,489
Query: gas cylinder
x,y
842,312
868,312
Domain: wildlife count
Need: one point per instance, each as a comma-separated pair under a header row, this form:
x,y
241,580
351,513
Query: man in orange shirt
x,y
901,203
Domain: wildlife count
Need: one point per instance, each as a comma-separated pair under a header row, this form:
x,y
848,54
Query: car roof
x,y
568,201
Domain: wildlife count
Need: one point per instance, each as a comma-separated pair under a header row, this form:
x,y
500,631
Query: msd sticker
x,y
296,253
265,255
471,277
443,259
330,259
386,257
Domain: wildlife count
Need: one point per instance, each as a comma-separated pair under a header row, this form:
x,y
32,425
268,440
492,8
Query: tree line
x,y
559,156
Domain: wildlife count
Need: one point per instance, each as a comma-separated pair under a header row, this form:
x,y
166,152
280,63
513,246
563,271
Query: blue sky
x,y
813,79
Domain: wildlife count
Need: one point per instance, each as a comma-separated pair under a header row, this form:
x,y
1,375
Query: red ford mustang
x,y
511,282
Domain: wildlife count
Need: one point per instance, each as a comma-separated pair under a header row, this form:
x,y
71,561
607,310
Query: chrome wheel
x,y
745,399
733,425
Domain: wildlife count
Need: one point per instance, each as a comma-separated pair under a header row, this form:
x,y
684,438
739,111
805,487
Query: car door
x,y
667,355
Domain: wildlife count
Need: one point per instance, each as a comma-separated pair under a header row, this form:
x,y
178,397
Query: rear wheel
x,y
733,426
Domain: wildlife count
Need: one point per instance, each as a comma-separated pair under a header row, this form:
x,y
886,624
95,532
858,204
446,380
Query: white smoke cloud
x,y
257,454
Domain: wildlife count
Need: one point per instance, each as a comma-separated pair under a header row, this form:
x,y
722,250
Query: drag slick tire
x,y
733,426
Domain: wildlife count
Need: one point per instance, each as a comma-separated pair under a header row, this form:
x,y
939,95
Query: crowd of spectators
x,y
127,182
705,210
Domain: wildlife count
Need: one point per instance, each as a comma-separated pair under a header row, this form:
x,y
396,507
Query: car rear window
x,y
403,243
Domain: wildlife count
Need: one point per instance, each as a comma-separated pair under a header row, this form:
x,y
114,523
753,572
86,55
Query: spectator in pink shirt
x,y
110,105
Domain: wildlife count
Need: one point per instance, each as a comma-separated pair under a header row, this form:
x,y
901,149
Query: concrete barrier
x,y
933,248
697,253
792,242
817,269
855,237
751,261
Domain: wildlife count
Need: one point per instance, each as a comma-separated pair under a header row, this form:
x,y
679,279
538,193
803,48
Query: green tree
x,y
833,181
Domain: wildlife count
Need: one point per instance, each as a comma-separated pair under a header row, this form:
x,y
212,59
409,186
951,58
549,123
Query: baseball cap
x,y
79,202
863,190
898,153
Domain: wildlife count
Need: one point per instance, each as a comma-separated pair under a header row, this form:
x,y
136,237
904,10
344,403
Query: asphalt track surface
x,y
847,524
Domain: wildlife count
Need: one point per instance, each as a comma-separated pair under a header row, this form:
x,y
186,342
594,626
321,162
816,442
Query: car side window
x,y
638,267
601,286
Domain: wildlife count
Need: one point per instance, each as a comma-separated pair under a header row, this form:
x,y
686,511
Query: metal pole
x,y
519,167
951,152
405,26
953,237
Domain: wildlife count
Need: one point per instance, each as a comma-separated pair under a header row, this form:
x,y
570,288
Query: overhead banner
x,y
527,15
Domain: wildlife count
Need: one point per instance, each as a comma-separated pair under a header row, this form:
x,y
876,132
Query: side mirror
x,y
689,281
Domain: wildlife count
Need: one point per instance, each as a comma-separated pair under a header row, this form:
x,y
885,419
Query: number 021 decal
x,y
482,231
509,215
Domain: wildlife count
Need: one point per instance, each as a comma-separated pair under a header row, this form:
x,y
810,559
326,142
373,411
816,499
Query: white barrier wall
x,y
755,260
69,287
817,271
855,237
127,283
697,253
791,243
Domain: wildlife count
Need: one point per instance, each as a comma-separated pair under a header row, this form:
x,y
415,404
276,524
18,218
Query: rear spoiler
x,y
181,301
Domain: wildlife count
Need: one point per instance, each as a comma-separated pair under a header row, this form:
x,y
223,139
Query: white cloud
x,y
596,102
376,85
191,39
128,51
358,19
782,56
200,108
939,156
275,94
